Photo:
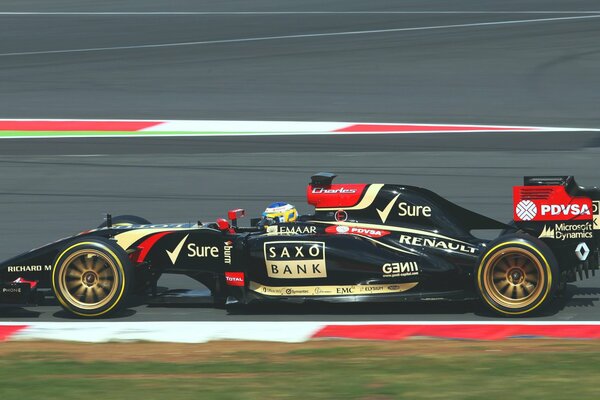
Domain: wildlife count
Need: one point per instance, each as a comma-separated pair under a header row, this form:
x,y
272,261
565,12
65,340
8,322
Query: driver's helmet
x,y
280,212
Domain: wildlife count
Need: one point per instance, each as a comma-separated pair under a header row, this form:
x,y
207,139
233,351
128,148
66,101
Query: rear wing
x,y
564,215
551,198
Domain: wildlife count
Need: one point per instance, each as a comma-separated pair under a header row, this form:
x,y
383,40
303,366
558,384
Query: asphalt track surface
x,y
525,73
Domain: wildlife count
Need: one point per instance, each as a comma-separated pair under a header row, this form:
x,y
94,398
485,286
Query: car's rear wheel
x,y
126,220
517,276
91,277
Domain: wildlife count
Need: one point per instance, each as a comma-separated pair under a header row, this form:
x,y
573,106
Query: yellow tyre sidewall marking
x,y
119,265
548,273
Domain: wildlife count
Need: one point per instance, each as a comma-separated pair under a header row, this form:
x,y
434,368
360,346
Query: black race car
x,y
364,243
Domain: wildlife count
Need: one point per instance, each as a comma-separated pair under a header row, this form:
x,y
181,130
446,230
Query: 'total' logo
x,y
234,278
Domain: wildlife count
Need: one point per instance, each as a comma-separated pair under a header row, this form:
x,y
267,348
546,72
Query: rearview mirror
x,y
233,215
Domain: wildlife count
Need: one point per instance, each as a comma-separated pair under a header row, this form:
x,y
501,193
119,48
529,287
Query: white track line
x,y
308,126
204,331
300,36
141,134
111,13
168,331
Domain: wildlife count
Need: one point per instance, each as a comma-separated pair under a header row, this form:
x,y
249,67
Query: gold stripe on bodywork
x,y
126,239
366,201
328,290
379,243
390,228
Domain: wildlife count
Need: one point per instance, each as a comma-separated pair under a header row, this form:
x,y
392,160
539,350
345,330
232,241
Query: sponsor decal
x,y
234,278
372,233
564,231
341,215
437,243
289,291
344,290
340,190
202,251
396,269
582,251
193,251
296,230
408,210
343,230
549,203
295,259
596,212
566,210
349,195
404,210
29,268
526,210
227,252
173,255
383,214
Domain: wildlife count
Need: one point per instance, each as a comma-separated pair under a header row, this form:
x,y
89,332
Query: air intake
x,y
547,180
322,179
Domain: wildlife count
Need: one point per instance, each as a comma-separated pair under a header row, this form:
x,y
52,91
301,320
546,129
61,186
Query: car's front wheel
x,y
517,275
91,277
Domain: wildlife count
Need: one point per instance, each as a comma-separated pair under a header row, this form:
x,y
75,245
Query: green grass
x,y
332,373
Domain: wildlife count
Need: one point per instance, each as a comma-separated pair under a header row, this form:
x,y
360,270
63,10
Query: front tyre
x,y
517,275
91,277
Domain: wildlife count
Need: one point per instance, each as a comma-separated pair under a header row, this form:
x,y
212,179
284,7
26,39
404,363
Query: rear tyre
x,y
91,277
126,220
517,275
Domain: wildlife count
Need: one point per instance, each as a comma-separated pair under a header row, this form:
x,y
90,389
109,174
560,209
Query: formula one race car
x,y
364,243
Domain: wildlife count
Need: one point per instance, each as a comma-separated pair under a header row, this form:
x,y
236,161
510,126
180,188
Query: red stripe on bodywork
x,y
147,244
338,195
7,331
456,331
123,126
421,128
360,231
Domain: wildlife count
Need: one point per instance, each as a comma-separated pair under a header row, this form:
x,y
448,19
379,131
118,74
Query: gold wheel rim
x,y
514,278
88,280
